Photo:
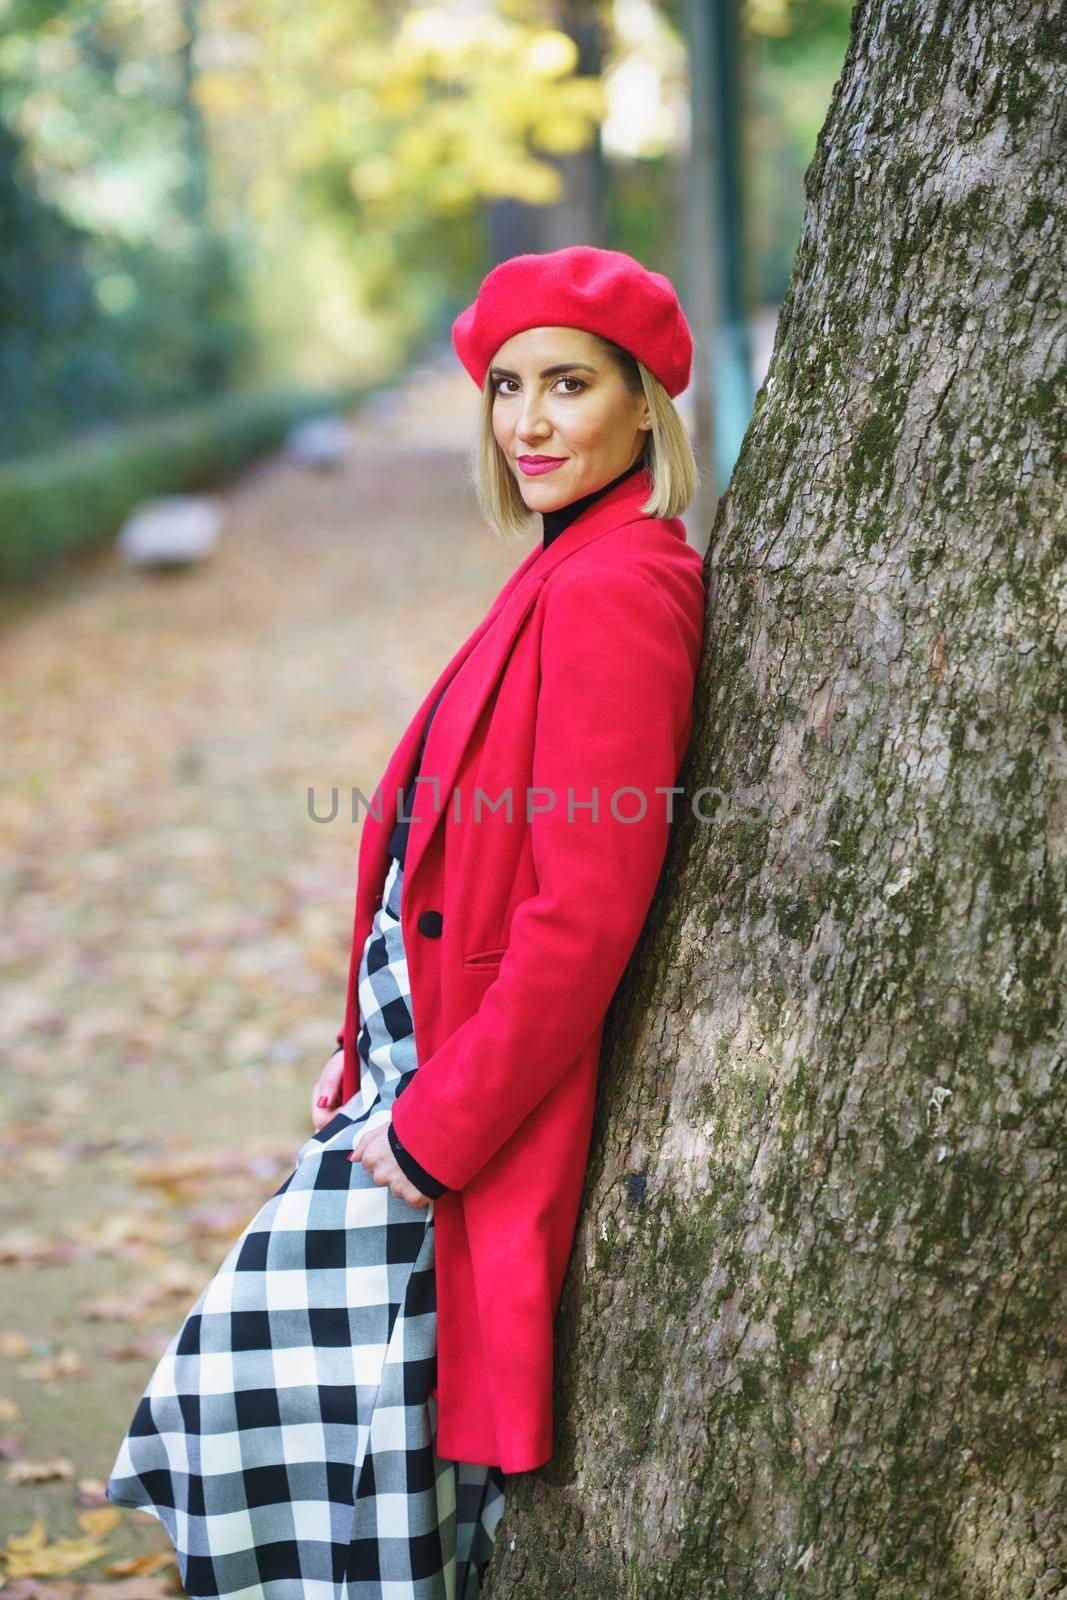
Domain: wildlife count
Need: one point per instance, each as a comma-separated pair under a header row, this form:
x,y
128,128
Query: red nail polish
x,y
323,1100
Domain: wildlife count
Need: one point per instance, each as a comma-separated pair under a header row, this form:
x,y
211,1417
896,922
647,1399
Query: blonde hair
x,y
668,458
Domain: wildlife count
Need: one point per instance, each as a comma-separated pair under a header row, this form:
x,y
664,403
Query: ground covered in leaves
x,y
176,926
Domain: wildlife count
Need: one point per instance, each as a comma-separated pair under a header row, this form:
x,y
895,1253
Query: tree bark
x,y
812,1334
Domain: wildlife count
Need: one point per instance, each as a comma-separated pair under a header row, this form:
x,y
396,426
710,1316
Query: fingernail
x,y
351,1156
323,1100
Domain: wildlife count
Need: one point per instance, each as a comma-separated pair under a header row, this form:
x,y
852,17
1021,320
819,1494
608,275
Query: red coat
x,y
580,676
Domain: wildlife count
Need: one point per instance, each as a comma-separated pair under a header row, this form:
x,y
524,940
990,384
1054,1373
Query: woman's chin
x,y
539,497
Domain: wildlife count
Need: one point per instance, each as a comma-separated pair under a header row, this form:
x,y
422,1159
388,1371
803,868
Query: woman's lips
x,y
533,465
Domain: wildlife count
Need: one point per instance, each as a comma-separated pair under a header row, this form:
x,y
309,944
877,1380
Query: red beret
x,y
603,291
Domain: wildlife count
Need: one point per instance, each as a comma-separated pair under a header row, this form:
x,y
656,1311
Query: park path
x,y
176,927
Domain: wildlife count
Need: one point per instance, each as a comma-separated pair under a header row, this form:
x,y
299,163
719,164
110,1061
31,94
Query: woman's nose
x,y
531,423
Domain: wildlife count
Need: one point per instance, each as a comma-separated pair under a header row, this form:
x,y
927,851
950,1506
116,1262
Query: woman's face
x,y
558,394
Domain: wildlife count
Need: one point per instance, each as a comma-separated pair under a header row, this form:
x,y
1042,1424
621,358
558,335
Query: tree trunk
x,y
813,1328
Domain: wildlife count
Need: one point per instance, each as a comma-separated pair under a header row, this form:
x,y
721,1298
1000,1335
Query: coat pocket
x,y
484,958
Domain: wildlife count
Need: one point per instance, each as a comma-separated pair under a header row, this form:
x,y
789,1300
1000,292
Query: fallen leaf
x,y
39,1471
151,1347
30,1589
20,1245
100,1519
122,1233
128,1589
29,1555
114,1308
156,1561
34,1538
92,1492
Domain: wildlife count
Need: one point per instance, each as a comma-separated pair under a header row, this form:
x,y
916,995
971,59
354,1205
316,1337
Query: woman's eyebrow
x,y
547,372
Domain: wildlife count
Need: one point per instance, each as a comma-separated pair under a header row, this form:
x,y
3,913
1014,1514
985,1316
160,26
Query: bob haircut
x,y
668,456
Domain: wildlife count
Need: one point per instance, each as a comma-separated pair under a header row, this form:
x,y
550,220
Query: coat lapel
x,y
476,668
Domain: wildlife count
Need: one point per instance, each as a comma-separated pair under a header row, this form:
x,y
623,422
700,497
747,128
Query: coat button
x,y
430,923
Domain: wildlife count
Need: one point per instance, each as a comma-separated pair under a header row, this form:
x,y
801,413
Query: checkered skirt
x,y
286,1439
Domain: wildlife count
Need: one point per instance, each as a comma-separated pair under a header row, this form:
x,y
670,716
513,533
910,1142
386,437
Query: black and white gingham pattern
x,y
286,1440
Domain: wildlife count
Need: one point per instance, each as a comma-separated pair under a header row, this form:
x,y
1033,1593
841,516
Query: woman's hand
x,y
376,1153
326,1095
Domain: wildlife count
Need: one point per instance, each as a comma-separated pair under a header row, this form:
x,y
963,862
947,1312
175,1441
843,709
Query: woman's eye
x,y
498,382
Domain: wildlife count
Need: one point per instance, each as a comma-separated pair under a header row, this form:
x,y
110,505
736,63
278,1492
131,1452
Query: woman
x,y
337,1415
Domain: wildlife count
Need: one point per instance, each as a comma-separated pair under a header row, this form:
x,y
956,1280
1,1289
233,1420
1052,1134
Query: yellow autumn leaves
x,y
31,1555
444,108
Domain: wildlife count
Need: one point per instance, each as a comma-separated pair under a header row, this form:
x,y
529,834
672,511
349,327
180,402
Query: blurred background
x,y
238,544
247,200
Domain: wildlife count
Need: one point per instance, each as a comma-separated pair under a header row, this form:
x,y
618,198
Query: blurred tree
x,y
211,286
794,50
138,309
46,295
792,53
580,215
366,146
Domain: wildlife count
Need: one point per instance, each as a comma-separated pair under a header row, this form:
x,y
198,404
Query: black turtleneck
x,y
553,523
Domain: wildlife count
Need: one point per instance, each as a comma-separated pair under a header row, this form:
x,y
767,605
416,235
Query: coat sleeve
x,y
614,713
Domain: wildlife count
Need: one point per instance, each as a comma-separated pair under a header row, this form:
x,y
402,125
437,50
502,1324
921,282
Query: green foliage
x,y
80,492
794,50
117,288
